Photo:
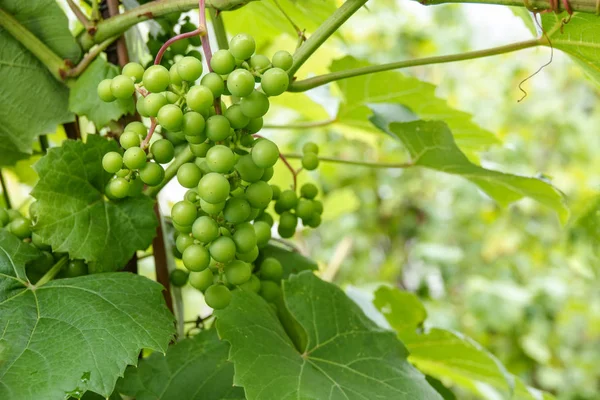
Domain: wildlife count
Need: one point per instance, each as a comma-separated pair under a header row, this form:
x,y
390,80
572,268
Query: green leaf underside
x,y
84,99
431,145
291,261
193,369
75,216
73,335
347,356
397,88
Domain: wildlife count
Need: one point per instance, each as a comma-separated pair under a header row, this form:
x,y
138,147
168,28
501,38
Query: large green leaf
x,y
418,96
291,261
193,369
32,101
84,100
72,335
346,356
431,145
76,217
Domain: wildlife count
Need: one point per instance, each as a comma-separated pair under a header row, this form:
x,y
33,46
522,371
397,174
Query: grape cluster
x,y
222,221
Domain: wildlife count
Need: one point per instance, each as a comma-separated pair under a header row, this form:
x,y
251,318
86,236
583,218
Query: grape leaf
x,y
403,310
193,369
418,96
84,100
72,335
431,145
291,261
29,91
76,217
346,357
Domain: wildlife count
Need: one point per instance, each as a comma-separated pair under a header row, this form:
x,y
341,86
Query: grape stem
x,y
48,276
357,163
303,124
200,31
87,24
286,162
146,141
89,57
299,32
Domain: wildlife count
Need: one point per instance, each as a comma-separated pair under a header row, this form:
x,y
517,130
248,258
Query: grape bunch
x,y
222,222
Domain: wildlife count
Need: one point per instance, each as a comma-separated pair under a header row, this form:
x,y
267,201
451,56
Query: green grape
x,y
309,191
236,210
265,217
238,272
13,214
211,209
310,161
200,150
253,285
205,229
136,186
262,230
288,199
153,103
217,297
265,153
213,188
250,256
20,227
174,76
201,280
314,221
140,106
248,170
188,175
259,62
38,242
220,159
199,98
123,173
75,268
112,162
222,249
118,188
259,194
193,125
189,68
171,97
134,158
104,91
242,46
183,241
129,139
304,209
184,213
196,258
195,139
3,217
240,83
276,192
137,127
178,277
170,117
255,125
269,290
163,151
310,147
122,87
282,59
134,70
214,82
269,172
236,118
222,62
288,221
152,174
191,196
182,228
285,233
271,269
247,140
203,165
255,105
156,79
245,239
179,46
274,82
218,128
318,207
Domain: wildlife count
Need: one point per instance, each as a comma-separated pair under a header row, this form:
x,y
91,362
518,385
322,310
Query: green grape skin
x,y
247,140
220,159
217,297
191,195
222,62
170,117
189,68
250,256
236,210
20,227
205,229
259,194
152,174
282,59
140,106
183,241
196,258
253,285
34,208
153,103
255,105
104,91
242,46
13,214
122,87
214,82
313,221
182,228
236,118
129,139
238,272
262,231
304,209
310,147
248,170
269,172
213,188
178,277
134,70
123,173
309,191
274,82
171,97
162,151
137,127
245,239
195,139
203,165
193,125
318,206
288,221
134,158
288,199
112,162
118,188
259,62
253,214
240,83
184,213
180,46
255,125
265,153
136,186
218,128
75,268
211,209
276,192
174,76
156,79
194,53
200,150
38,241
266,218
188,175
201,280
269,290
222,249
285,233
271,270
310,161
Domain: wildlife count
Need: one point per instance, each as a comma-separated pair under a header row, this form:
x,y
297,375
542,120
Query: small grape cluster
x,y
222,221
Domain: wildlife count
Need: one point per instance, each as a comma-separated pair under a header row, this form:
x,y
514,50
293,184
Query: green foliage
x,y
292,262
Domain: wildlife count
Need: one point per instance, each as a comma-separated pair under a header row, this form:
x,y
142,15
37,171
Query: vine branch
x,y
303,124
87,24
586,6
89,57
184,157
356,163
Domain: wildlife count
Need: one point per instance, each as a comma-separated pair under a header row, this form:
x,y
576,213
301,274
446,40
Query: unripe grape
x,y
188,175
205,229
189,68
140,106
250,256
218,128
259,194
271,269
255,105
265,217
213,188
179,46
199,98
196,258
287,199
310,161
263,233
75,268
112,162
269,290
183,241
220,159
253,285
156,79
185,229
236,117
314,221
163,151
200,150
238,272
255,125
136,186
134,158
184,213
274,82
214,82
269,172
248,170
152,174
20,227
265,153
217,297
259,62
170,117
282,59
122,87
104,91
129,139
287,220
240,83
242,46
318,206
276,192
222,62
174,76
137,127
245,239
134,70
178,277
309,191
153,103
222,249
304,209
211,209
236,210
194,53
201,280
310,147
118,188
